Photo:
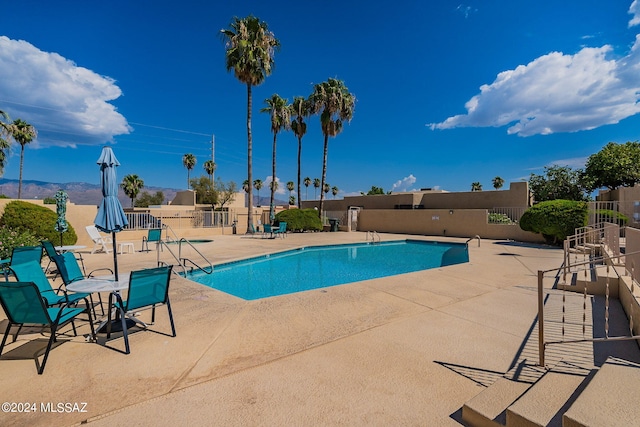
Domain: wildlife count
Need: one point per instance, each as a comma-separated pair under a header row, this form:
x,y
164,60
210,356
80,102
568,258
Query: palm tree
x,y
335,104
209,167
4,143
132,184
316,185
498,182
22,133
325,189
250,48
307,182
278,109
290,186
189,162
257,184
476,186
246,186
334,191
300,108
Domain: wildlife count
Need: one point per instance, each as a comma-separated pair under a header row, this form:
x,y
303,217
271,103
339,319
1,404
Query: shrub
x,y
607,215
40,221
300,219
555,219
10,238
499,218
49,201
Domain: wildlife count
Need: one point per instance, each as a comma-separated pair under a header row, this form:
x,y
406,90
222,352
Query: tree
x,y
497,182
145,200
334,191
132,184
278,110
476,186
4,139
292,200
226,192
22,133
325,189
290,187
335,104
250,48
257,184
555,219
374,191
246,186
558,182
209,167
316,185
307,182
616,165
205,192
300,109
189,162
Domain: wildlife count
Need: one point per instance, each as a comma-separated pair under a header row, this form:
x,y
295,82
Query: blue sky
x,y
448,93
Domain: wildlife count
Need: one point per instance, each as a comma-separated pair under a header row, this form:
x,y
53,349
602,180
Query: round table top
x,y
68,248
100,284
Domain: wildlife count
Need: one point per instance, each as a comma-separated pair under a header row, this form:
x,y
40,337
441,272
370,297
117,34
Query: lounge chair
x,y
147,289
23,304
153,235
100,242
281,230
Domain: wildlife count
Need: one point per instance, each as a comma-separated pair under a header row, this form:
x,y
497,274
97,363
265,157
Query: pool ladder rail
x,y
187,265
471,238
374,235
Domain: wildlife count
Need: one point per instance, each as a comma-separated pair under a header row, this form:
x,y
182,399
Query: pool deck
x,y
403,350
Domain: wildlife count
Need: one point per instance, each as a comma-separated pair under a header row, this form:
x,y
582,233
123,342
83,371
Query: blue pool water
x,y
322,266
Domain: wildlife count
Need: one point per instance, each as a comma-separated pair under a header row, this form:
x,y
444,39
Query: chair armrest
x,y
99,269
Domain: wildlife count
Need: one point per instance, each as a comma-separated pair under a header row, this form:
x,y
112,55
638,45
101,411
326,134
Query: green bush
x,y
607,215
10,239
555,219
300,219
499,218
40,221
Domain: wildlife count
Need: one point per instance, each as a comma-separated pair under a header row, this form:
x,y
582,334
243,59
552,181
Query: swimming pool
x,y
323,266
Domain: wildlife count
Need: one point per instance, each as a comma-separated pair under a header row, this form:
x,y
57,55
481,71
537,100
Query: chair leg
x,y
123,319
173,328
52,339
4,339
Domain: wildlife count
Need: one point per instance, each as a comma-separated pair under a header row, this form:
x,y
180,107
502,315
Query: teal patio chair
x,y
267,230
153,235
147,289
21,255
50,250
23,304
32,272
69,270
281,230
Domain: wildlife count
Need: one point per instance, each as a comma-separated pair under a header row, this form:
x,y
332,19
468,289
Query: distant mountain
x,y
80,193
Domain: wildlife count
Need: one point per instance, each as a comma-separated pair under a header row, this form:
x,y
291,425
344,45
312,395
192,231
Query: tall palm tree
x,y
476,186
209,167
335,104
300,109
498,182
334,191
22,133
325,189
290,187
246,186
257,184
316,185
132,184
4,139
250,48
189,162
307,182
278,109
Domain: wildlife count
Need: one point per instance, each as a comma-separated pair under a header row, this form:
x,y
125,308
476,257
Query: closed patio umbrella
x,y
110,217
61,209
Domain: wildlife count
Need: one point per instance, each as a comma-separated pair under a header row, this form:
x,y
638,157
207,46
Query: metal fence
x,y
180,219
507,215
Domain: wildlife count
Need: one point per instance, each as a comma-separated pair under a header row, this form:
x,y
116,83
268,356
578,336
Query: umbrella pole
x,y
115,256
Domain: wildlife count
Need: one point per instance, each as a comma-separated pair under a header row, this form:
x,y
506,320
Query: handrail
x,y
374,234
474,237
177,258
207,270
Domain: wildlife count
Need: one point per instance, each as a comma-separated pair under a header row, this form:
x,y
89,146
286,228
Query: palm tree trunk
x,y
249,162
324,173
299,154
273,178
20,178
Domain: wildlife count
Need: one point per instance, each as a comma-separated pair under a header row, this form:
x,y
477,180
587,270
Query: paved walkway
x,y
404,350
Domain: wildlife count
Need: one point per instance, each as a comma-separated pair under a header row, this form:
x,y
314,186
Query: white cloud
x,y
282,188
573,163
557,93
404,184
67,104
634,9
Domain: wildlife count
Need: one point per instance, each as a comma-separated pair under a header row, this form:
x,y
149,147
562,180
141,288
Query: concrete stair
x,y
566,391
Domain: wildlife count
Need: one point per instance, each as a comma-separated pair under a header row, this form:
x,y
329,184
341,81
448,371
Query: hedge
x,y
300,219
38,220
555,219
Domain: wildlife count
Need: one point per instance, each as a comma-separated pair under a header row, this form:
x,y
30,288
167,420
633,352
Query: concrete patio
x,y
403,350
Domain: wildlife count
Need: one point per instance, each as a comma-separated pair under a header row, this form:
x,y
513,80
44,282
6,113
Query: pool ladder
x,y
374,235
474,237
